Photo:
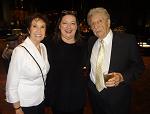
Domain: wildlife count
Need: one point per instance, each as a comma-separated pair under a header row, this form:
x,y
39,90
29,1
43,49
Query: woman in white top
x,y
25,80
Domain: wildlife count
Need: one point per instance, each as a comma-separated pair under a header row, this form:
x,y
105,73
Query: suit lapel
x,y
91,42
113,53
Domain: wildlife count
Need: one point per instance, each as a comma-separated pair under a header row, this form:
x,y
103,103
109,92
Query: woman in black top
x,y
65,89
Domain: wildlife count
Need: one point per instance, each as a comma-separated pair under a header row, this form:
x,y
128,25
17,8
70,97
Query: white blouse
x,y
24,79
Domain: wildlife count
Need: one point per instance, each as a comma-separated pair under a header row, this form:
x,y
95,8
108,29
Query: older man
x,y
114,54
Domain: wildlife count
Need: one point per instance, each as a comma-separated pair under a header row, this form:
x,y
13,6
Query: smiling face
x,y
100,24
68,28
37,30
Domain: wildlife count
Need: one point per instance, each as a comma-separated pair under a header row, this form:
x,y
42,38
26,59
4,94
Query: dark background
x,y
134,15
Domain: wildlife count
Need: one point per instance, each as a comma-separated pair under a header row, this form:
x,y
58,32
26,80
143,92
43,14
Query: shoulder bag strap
x,y
36,63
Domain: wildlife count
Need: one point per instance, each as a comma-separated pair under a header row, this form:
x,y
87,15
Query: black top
x,y
65,89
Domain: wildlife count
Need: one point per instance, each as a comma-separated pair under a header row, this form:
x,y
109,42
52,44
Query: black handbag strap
x,y
36,63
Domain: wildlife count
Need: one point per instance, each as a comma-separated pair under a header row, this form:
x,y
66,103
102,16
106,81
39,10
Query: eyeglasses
x,y
66,12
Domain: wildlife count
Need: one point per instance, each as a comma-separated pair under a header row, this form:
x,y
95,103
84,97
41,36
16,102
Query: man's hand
x,y
115,79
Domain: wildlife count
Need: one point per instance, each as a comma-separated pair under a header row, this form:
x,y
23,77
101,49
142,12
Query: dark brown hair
x,y
57,33
31,17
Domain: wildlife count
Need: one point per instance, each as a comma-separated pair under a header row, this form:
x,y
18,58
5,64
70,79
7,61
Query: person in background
x,y
65,84
11,42
121,60
24,85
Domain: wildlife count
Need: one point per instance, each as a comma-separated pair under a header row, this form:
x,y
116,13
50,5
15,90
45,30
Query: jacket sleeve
x,y
13,76
136,66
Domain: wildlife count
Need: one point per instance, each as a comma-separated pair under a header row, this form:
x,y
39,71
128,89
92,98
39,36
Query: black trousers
x,y
80,111
109,101
39,109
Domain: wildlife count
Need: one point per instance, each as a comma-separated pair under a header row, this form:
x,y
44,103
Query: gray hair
x,y
97,10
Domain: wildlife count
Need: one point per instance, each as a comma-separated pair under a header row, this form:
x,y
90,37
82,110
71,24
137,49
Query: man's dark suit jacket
x,y
125,59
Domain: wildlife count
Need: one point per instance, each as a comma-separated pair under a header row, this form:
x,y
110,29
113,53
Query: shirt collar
x,y
108,37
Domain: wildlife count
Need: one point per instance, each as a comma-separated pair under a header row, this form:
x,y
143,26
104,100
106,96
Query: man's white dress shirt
x,y
107,46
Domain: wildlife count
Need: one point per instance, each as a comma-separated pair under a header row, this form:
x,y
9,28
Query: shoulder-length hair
x,y
57,32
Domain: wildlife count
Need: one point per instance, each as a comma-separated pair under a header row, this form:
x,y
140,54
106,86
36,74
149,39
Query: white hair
x,y
98,10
